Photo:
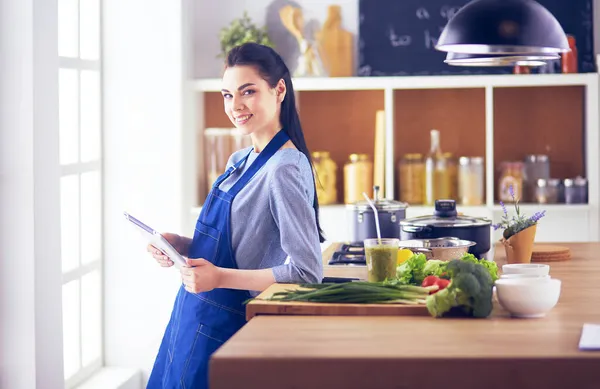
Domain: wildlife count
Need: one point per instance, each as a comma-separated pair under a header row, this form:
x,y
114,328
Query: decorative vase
x,y
309,62
520,245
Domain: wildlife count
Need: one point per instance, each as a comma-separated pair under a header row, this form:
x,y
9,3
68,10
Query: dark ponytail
x,y
272,68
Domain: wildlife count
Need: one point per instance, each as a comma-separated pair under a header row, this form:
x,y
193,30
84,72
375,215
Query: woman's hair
x,y
271,67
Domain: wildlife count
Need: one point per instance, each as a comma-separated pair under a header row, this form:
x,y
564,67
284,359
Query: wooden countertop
x,y
422,352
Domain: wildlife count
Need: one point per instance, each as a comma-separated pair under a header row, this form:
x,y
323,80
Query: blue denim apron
x,y
201,323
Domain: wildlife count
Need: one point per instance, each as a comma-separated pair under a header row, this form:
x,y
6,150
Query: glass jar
x,y
547,191
536,167
452,171
217,149
511,175
325,179
576,190
411,178
358,178
470,180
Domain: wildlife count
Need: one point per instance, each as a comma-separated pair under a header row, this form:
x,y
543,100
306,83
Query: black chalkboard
x,y
397,37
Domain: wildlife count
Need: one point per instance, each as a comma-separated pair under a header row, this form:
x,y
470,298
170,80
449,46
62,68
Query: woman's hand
x,y
200,275
178,242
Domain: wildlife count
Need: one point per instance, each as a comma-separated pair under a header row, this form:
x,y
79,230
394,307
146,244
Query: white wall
x,y
142,127
30,268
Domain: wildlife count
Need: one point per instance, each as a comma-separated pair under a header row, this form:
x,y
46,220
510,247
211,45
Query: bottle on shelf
x,y
437,183
452,168
569,59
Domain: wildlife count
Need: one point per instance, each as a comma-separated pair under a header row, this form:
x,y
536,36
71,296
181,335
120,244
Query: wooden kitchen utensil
x,y
550,253
287,15
335,45
379,152
263,307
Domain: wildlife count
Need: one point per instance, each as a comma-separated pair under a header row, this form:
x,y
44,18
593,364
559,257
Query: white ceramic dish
x,y
526,297
537,269
532,277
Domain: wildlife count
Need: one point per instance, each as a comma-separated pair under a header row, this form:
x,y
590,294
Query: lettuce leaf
x,y
411,271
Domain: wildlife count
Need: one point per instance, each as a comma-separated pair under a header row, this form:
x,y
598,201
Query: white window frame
x,y
79,168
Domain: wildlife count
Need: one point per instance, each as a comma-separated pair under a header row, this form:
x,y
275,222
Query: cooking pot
x,y
445,222
362,218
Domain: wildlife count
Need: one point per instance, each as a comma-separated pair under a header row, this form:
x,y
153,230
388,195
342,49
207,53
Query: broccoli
x,y
469,292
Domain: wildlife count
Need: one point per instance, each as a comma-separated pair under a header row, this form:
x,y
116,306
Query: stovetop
x,y
349,253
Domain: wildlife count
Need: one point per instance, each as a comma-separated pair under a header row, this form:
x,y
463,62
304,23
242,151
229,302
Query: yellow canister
x,y
325,179
358,178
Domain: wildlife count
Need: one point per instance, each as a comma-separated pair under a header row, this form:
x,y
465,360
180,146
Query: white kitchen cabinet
x,y
562,222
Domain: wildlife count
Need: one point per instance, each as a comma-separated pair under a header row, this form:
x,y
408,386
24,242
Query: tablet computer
x,y
157,240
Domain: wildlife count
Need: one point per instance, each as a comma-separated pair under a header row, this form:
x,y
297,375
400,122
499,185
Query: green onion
x,y
359,292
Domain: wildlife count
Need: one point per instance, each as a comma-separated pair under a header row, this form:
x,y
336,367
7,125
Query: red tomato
x,y
442,283
429,280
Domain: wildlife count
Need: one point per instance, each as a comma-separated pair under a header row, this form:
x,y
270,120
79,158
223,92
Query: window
x,y
80,143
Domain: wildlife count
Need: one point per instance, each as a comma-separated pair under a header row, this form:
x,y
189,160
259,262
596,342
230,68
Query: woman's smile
x,y
243,119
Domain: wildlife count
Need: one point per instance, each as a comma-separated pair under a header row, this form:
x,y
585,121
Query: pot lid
x,y
380,204
445,215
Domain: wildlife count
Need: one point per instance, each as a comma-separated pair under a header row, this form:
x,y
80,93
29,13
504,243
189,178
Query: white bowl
x,y
526,297
532,277
537,269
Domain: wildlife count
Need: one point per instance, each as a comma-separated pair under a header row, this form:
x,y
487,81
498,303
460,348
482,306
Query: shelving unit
x,y
500,117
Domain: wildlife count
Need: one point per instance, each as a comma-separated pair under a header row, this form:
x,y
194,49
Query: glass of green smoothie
x,y
381,256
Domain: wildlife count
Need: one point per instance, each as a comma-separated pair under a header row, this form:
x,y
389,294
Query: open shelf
x,y
418,82
541,120
459,115
499,117
342,123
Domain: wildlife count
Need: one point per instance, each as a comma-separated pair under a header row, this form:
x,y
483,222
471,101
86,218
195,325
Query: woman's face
x,y
250,103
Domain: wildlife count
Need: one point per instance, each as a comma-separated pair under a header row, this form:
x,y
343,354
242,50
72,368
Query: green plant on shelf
x,y
517,222
240,31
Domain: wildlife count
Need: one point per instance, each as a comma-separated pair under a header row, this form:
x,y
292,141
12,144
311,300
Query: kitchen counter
x,y
372,352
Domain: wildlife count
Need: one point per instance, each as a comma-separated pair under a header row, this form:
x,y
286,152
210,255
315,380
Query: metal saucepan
x,y
443,249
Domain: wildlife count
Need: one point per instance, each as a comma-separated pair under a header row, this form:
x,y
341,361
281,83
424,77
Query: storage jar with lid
x,y
536,167
358,178
576,190
362,218
411,178
547,191
470,180
325,179
510,176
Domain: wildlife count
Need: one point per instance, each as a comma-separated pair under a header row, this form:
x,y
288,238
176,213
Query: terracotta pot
x,y
520,246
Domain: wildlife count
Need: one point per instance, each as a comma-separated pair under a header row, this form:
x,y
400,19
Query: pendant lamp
x,y
461,59
503,27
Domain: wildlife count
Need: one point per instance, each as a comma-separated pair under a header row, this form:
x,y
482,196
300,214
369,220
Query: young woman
x,y
259,224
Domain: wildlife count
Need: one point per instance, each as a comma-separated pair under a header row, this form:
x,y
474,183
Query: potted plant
x,y
241,31
519,232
